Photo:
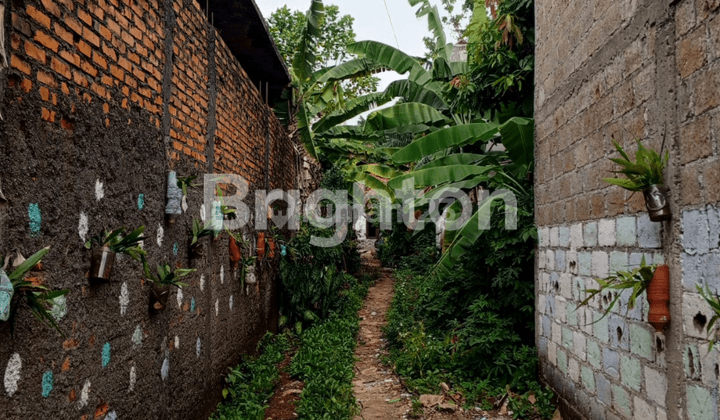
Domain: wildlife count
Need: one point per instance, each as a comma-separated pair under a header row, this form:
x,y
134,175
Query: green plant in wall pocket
x,y
164,278
111,243
644,174
198,231
652,279
713,299
38,298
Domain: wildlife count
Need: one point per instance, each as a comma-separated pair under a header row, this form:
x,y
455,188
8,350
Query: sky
x,y
372,23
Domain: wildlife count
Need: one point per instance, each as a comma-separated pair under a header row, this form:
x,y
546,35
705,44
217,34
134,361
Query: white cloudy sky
x,y
372,23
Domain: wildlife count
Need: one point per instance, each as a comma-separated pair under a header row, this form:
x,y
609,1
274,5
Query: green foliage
x,y
501,56
714,301
251,384
128,244
334,35
325,360
644,172
166,275
39,299
533,404
636,280
199,230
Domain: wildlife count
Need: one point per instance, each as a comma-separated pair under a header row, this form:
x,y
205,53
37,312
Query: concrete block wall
x,y
625,70
100,100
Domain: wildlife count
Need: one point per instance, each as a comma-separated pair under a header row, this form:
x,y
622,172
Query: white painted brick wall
x,y
606,232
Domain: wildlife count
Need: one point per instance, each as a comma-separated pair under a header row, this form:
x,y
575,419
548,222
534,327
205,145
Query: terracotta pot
x,y
101,263
261,245
657,204
271,243
658,295
235,255
159,295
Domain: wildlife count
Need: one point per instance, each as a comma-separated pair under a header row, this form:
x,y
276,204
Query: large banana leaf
x,y
305,132
349,132
454,159
370,182
358,67
518,138
442,48
305,56
383,171
464,238
387,56
439,175
401,117
413,92
458,135
353,108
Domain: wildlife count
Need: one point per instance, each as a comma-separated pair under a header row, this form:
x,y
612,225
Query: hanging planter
x,y
159,295
271,247
174,198
645,174
101,263
656,202
235,255
658,295
111,243
6,294
196,249
261,245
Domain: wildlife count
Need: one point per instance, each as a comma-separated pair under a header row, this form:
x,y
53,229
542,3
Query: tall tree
x,y
336,33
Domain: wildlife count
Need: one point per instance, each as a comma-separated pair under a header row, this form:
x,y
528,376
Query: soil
x,y
287,393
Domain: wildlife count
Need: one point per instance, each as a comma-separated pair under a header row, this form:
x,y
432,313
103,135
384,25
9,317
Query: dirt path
x,y
377,388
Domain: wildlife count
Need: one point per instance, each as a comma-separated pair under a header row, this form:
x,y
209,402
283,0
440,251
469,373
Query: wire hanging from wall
x,y
391,24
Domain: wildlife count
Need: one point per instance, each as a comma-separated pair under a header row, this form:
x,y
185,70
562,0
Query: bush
x,y
326,358
251,384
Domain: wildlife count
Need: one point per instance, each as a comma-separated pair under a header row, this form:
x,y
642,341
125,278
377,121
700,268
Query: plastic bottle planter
x,y
6,294
235,255
250,276
658,295
261,245
159,295
271,246
174,198
196,251
101,263
657,204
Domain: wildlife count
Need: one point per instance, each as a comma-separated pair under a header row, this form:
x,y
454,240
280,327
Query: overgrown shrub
x,y
251,384
325,360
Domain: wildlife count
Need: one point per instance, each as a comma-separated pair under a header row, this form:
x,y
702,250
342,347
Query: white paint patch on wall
x,y
198,347
179,297
83,227
124,299
12,374
111,416
160,234
84,394
202,213
184,204
177,342
202,282
217,307
165,369
99,190
231,302
133,379
222,274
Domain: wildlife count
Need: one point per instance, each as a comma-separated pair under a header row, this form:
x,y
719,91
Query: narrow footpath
x,y
378,390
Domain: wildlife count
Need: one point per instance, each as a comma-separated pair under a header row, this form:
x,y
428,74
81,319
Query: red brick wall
x,y
90,98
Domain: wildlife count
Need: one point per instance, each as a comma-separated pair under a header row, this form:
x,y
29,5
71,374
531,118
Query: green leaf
x,y
454,159
439,175
352,69
305,55
387,56
442,48
305,131
22,269
353,108
467,235
518,138
413,92
459,135
400,118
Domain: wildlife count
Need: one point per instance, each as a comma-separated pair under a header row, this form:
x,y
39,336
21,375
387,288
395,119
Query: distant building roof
x,y
244,30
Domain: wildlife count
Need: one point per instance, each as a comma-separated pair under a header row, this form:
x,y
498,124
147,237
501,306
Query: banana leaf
x,y
459,135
